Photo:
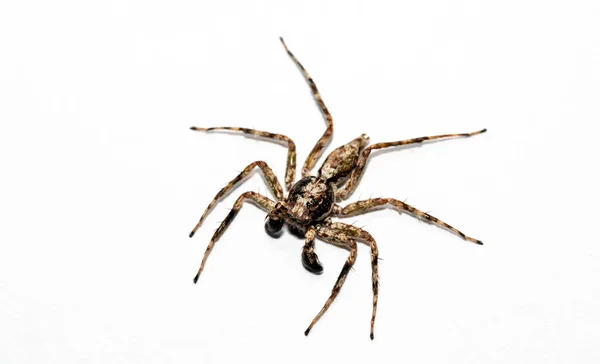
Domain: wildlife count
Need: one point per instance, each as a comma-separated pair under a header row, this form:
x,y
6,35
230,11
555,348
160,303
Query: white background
x,y
102,180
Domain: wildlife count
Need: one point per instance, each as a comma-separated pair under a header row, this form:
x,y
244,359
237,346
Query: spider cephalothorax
x,y
311,202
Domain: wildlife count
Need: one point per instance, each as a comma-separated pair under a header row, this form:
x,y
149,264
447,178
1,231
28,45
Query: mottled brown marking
x,y
310,200
342,160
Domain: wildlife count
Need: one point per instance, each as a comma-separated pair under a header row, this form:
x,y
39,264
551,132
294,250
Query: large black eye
x,y
273,227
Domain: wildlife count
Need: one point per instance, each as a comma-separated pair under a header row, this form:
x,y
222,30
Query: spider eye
x,y
273,227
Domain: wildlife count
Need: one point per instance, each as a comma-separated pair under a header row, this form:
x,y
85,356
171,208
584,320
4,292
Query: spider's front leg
x,y
261,201
346,190
335,237
270,179
362,207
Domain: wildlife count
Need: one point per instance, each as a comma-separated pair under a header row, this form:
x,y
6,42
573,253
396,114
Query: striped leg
x,y
363,235
260,200
365,206
315,153
270,179
290,171
345,191
336,237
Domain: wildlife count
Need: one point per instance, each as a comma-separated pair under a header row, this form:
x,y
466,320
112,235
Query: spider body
x,y
311,199
311,202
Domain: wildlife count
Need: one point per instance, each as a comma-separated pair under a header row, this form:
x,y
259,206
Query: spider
x,y
311,202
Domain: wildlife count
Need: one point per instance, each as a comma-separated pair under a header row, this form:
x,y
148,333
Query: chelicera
x,y
311,202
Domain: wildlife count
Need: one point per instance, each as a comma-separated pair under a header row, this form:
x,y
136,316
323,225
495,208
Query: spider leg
x,y
260,200
336,237
270,179
363,235
290,171
362,207
346,190
318,148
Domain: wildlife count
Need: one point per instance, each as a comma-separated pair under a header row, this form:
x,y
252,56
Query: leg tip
x,y
478,242
306,332
192,127
192,233
196,278
284,45
477,132
372,336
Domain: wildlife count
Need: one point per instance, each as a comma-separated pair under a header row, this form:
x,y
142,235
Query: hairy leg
x,y
363,235
315,153
261,201
362,207
345,191
270,179
290,171
338,238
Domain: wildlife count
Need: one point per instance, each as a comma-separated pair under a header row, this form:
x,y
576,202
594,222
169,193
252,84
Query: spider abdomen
x,y
311,199
342,160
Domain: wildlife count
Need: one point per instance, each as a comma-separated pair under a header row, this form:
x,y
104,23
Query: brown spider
x,y
310,204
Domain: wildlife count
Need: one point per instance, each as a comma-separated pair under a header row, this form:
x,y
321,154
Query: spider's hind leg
x,y
346,190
